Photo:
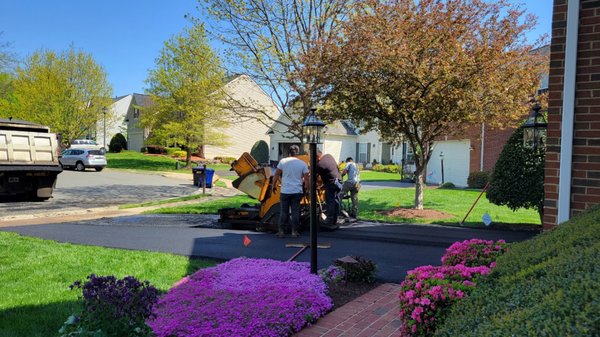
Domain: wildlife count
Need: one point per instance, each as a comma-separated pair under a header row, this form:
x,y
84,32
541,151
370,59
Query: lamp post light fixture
x,y
313,132
104,134
534,129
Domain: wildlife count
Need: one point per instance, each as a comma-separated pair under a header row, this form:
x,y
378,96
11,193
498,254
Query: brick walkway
x,y
373,314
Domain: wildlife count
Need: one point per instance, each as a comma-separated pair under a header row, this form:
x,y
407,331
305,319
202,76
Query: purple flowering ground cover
x,y
242,297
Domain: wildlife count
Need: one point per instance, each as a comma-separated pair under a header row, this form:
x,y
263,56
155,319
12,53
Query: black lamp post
x,y
104,112
534,129
313,132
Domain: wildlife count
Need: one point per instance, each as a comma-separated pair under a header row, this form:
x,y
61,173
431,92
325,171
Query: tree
x,y
417,70
518,177
65,91
277,43
7,60
187,87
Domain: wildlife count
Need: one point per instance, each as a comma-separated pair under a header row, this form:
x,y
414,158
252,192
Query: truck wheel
x,y
79,166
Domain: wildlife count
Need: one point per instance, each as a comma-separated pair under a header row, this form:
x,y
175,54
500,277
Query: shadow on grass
x,y
36,320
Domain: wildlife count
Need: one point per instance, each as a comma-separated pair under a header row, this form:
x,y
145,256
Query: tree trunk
x,y
188,157
419,184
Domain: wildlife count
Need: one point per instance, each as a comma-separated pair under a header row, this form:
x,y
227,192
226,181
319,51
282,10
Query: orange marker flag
x,y
247,241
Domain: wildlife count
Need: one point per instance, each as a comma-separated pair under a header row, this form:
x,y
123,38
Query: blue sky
x,y
124,36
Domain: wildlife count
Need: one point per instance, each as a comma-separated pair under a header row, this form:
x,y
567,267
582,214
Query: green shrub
x,y
447,185
171,150
478,179
518,177
156,149
179,154
260,152
391,168
378,167
547,286
117,143
363,271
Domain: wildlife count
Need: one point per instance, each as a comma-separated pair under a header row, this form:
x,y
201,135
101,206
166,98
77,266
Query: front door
x,y
386,149
284,149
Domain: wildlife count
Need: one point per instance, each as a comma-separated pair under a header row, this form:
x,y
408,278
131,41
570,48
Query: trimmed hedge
x,y
117,144
260,152
518,177
547,286
478,179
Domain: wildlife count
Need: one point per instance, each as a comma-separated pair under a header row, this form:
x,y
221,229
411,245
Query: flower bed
x,y
428,291
242,297
474,252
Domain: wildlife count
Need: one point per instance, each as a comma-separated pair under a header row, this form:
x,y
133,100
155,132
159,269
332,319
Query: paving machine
x,y
257,181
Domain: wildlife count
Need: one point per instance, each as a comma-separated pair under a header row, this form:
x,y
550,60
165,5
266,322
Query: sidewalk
x,y
374,314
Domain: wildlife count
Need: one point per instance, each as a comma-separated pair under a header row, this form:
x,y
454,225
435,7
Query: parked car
x,y
85,144
80,159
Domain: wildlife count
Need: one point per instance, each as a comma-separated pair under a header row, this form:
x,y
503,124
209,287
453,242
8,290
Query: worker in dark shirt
x,y
327,169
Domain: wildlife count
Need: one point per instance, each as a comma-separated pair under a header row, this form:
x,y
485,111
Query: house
x,y
572,173
342,139
242,132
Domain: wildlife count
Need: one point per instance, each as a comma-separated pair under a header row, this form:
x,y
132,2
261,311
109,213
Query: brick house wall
x,y
494,142
585,171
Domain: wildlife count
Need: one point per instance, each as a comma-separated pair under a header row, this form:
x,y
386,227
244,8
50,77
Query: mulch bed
x,y
411,213
342,293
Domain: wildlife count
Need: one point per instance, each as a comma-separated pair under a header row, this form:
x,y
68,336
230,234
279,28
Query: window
x,y
362,152
136,113
409,157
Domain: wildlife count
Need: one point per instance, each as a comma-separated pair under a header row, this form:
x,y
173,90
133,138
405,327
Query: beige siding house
x,y
242,132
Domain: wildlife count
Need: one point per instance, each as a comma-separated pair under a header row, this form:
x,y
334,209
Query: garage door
x,y
455,155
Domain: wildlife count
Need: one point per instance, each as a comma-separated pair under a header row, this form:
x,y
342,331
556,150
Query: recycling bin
x,y
198,172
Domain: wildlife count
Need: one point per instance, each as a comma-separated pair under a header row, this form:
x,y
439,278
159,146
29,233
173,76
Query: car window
x,y
66,152
95,152
77,152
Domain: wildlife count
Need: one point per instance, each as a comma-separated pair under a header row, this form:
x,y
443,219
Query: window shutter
x,y
357,158
368,152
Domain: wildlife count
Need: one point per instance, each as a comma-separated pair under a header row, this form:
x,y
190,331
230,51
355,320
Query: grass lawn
x,y
35,275
372,203
138,161
368,175
169,201
209,207
456,202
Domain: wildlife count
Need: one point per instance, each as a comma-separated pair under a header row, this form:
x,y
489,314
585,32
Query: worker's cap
x,y
294,150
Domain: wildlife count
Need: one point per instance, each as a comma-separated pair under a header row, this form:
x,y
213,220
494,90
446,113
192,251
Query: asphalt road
x,y
396,248
91,189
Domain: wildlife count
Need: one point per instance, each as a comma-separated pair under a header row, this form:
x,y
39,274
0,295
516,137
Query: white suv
x,y
85,144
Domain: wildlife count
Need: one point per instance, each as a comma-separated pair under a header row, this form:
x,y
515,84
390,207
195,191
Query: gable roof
x,y
142,100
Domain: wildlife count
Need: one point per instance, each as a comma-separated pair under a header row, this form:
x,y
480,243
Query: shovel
x,y
323,216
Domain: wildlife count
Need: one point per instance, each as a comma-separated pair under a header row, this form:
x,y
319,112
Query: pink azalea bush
x,y
428,291
242,297
474,252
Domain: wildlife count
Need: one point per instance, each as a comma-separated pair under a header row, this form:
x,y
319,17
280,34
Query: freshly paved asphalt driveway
x,y
395,248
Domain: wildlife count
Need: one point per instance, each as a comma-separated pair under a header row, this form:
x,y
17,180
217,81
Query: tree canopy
x,y
64,90
277,43
186,86
417,70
